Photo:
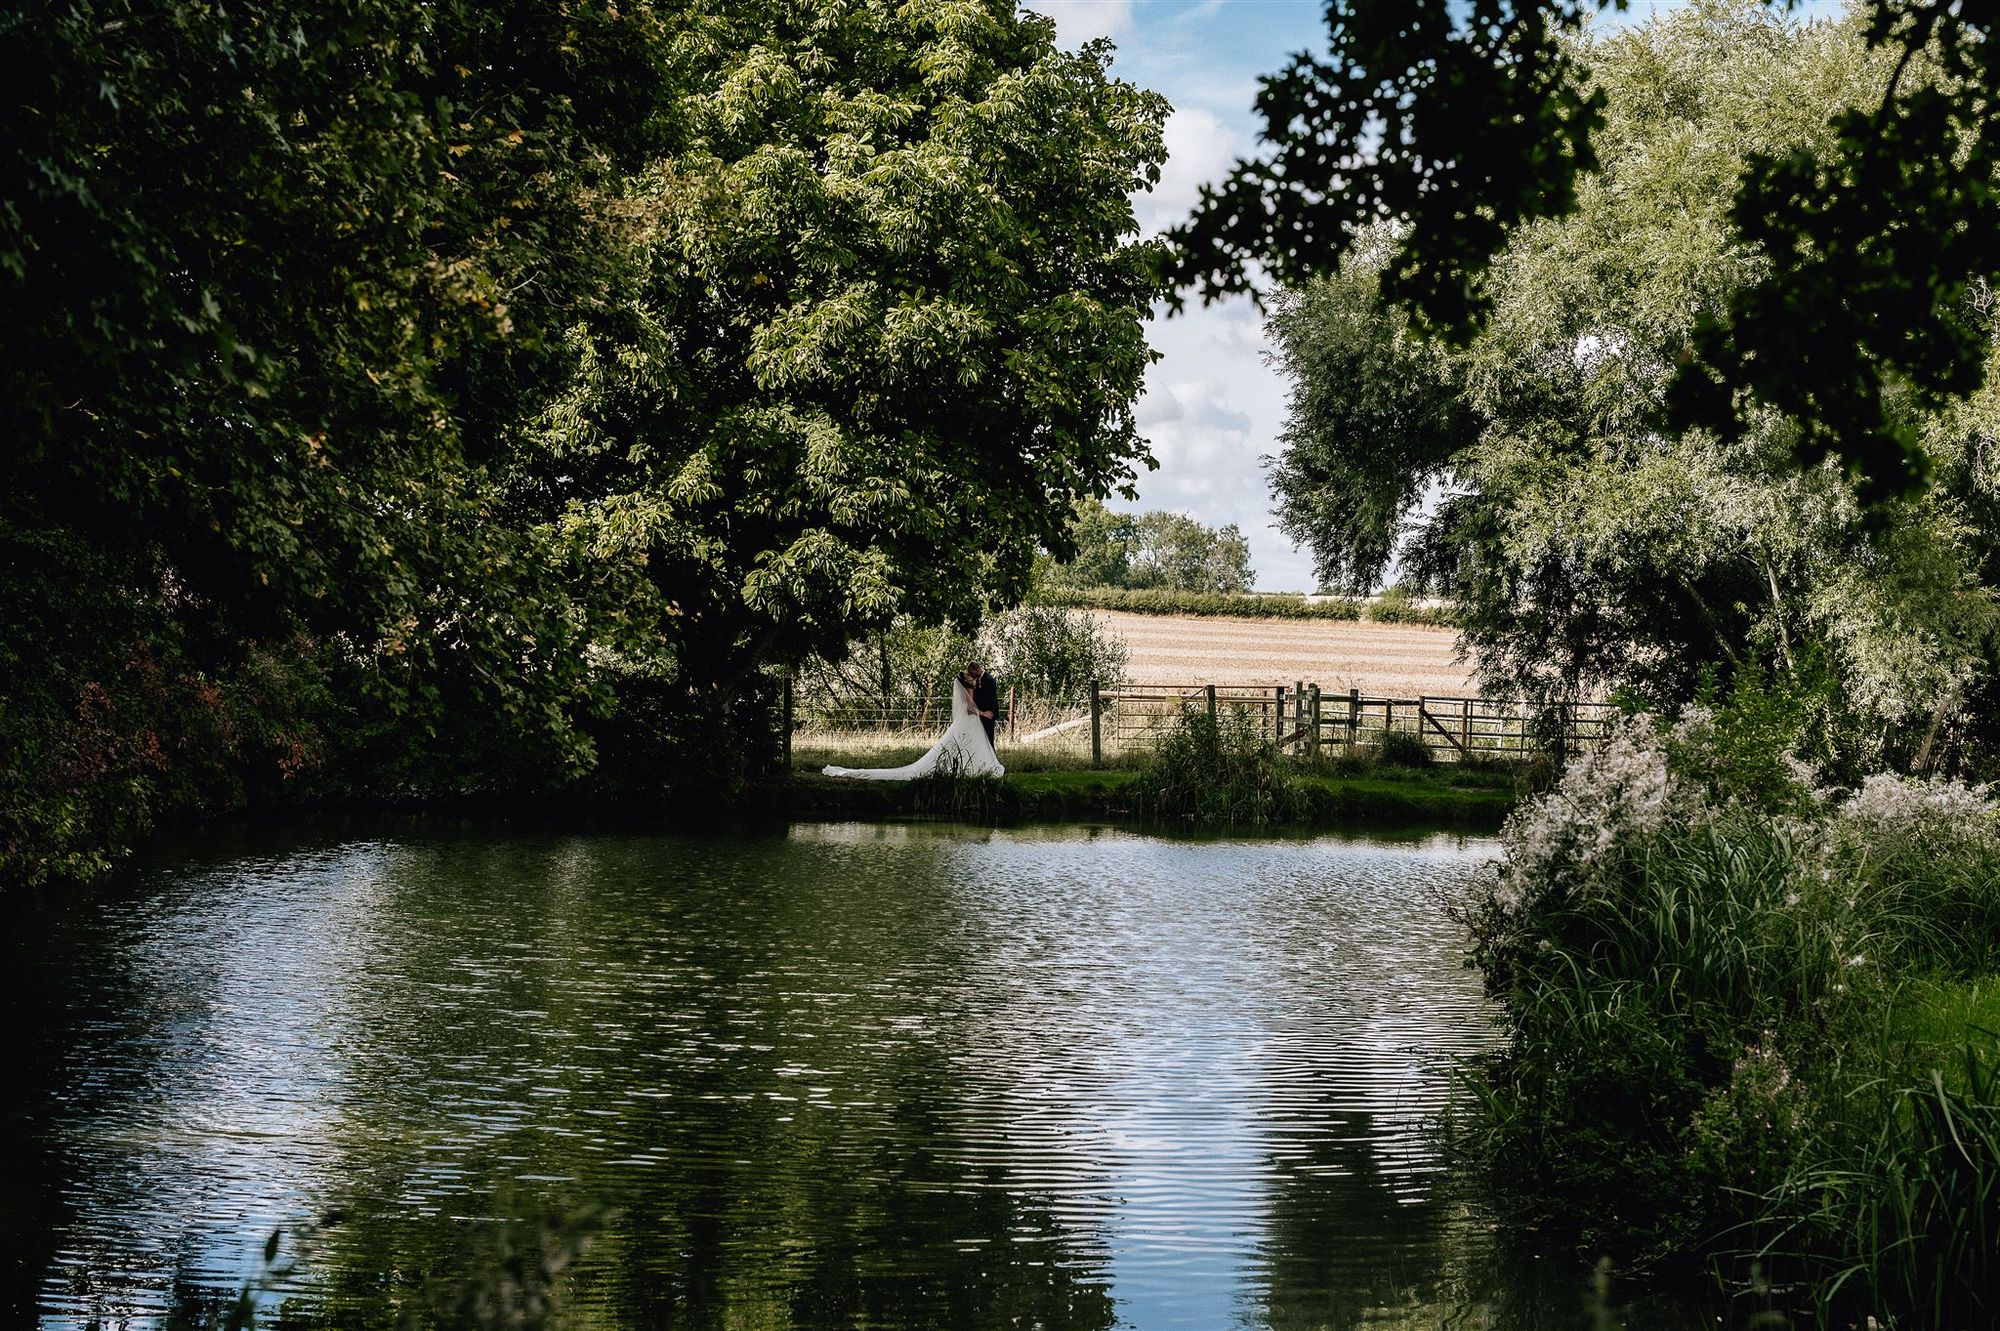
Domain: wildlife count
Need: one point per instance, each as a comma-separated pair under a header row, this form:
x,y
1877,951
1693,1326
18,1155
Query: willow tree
x,y
1533,472
887,329
1461,121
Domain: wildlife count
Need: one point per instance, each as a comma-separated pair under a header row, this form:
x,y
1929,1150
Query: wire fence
x,y
1299,718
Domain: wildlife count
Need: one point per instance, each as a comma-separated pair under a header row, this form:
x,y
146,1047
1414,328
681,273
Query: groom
x,y
985,698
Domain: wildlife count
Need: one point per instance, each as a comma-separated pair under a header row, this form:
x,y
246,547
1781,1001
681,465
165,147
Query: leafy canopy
x,y
1147,551
1587,547
1462,121
885,330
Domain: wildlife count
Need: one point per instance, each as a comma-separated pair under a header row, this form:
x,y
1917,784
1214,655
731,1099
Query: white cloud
x,y
1200,151
1078,21
1211,411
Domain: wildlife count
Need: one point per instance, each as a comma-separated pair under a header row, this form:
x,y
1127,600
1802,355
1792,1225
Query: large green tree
x,y
409,380
887,332
1588,546
270,274
1462,120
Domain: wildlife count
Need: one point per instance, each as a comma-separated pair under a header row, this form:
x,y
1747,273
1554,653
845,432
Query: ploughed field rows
x,y
1386,660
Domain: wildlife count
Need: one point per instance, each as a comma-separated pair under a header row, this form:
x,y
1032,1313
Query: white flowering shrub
x,y
1889,804
1615,795
1693,942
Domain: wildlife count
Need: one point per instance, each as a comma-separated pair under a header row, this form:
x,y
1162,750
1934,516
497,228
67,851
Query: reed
x,y
1709,1015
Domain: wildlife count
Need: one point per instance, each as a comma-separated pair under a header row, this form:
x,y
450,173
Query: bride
x,y
963,750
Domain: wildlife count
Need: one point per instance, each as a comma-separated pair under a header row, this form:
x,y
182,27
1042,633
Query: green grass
x,y
1338,795
1936,1020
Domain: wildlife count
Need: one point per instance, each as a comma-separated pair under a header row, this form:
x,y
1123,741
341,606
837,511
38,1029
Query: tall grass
x,y
1704,1050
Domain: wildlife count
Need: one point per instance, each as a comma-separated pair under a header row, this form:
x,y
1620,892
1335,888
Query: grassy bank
x,y
1356,793
1206,770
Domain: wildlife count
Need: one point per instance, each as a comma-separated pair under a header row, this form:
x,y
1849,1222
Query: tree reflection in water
x,y
845,1076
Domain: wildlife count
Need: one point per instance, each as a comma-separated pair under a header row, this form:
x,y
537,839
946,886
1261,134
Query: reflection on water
x,y
840,1076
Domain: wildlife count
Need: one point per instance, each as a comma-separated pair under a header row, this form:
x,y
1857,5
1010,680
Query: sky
x,y
1212,408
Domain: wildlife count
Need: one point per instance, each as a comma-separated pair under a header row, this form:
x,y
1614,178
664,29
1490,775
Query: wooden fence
x,y
1300,718
1303,719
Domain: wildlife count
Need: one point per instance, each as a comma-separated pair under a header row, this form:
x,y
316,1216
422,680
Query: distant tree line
x,y
456,397
1160,551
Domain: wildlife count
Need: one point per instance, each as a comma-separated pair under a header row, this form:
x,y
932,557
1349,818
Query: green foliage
x,y
1696,1060
1396,606
1051,655
1102,542
1768,742
1217,769
1402,748
1464,124
1376,416
1172,552
1584,547
1262,605
1461,119
884,330
538,377
1149,552
904,670
904,673
1911,1204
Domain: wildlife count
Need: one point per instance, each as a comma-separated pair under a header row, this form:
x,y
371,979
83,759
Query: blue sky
x,y
1212,409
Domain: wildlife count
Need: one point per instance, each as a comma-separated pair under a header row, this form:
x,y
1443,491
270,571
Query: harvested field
x,y
1394,660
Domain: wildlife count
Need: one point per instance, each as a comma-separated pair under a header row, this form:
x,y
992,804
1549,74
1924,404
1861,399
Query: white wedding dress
x,y
963,750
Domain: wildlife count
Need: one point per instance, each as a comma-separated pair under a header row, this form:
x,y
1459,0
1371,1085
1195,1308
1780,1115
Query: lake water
x,y
833,1075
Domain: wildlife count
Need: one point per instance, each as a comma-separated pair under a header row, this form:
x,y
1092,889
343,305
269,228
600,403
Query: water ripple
x,y
852,1075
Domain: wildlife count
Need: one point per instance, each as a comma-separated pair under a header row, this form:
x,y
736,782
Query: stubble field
x,y
1392,660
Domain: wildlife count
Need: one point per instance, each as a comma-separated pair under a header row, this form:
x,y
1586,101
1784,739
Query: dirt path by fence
x,y
1394,660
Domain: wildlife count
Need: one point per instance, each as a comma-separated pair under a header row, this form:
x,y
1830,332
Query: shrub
x,y
1217,769
902,672
1402,748
93,769
1164,602
1693,992
1396,606
1051,655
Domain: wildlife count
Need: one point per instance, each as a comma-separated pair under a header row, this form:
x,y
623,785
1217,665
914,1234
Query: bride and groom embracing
x,y
965,749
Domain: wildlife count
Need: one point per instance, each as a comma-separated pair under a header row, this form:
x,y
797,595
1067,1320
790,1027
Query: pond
x,y
830,1075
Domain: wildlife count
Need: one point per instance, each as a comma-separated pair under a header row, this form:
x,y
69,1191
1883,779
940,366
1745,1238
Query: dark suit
x,y
986,698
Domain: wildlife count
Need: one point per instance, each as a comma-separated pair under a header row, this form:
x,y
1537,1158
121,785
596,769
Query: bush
x,y
903,672
1694,993
1254,605
1402,748
1217,769
1396,606
146,739
1050,655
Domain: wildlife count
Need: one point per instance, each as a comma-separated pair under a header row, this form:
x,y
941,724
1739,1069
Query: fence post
x,y
1298,715
1353,720
1096,725
1010,711
1210,691
1465,727
788,721
1312,724
1278,716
